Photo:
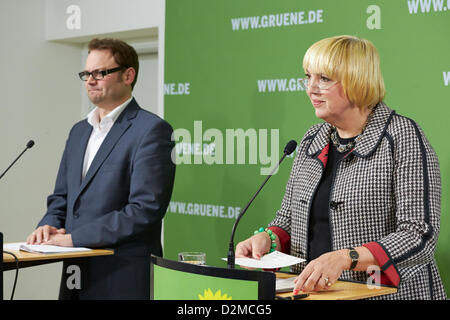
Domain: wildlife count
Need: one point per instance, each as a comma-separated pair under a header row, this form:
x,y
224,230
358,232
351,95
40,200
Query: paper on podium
x,y
272,260
285,285
37,248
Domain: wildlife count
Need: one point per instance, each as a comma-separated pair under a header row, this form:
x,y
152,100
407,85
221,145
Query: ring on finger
x,y
327,282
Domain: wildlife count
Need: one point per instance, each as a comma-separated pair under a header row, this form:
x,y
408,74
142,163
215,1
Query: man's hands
x,y
51,236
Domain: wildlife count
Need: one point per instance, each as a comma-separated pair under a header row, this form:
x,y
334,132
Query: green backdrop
x,y
234,64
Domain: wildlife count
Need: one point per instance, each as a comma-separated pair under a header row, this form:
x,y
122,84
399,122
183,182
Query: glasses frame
x,y
306,82
103,73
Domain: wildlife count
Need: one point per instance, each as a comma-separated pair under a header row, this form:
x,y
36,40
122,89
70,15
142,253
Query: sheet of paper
x,y
272,260
35,248
15,246
285,285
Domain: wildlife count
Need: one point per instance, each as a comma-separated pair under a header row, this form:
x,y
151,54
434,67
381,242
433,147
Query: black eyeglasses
x,y
98,74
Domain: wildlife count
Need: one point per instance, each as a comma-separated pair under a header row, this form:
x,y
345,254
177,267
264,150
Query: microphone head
x,y
290,147
30,144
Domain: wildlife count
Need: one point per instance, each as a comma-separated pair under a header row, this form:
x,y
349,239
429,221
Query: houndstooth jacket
x,y
385,195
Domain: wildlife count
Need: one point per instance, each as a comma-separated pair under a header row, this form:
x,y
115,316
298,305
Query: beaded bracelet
x,y
271,235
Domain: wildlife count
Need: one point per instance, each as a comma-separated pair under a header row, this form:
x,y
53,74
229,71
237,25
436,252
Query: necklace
x,y
343,147
349,146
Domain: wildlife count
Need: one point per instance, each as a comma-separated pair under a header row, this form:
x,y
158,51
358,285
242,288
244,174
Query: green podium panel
x,y
172,280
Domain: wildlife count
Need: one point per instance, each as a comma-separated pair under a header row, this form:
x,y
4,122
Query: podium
x,y
28,259
173,280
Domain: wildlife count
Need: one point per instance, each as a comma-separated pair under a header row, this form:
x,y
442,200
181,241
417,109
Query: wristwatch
x,y
354,255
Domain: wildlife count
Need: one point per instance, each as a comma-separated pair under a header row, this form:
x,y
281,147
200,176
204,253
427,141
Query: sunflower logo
x,y
209,295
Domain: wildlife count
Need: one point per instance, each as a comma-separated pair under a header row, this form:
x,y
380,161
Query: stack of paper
x,y
35,248
272,260
285,285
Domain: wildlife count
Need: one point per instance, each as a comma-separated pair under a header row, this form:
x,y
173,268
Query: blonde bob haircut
x,y
352,61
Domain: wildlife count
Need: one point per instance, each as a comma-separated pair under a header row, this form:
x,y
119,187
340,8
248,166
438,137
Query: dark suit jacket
x,y
119,204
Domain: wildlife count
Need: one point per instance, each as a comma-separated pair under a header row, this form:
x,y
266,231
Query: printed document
x,y
37,248
272,260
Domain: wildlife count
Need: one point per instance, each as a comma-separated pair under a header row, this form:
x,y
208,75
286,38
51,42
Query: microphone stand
x,y
230,256
29,145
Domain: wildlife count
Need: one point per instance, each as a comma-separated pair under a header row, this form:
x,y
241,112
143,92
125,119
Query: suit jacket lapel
x,y
320,140
77,169
105,149
118,129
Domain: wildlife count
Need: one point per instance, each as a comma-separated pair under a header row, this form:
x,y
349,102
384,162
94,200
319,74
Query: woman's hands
x,y
255,247
322,272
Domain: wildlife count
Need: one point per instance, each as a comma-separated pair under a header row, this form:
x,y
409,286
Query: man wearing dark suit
x,y
114,183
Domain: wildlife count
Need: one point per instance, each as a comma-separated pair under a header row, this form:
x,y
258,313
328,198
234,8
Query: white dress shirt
x,y
99,132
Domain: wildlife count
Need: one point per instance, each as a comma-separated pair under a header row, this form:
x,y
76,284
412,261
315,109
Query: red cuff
x,y
389,274
285,239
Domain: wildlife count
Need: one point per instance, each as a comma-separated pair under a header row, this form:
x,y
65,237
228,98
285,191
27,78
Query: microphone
x,y
288,149
30,144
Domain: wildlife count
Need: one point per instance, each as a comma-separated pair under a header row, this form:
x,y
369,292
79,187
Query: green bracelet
x,y
271,235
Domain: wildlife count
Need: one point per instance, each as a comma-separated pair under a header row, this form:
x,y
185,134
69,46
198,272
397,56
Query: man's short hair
x,y
123,53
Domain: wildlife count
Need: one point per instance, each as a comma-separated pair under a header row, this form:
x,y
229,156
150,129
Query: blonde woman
x,y
364,191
